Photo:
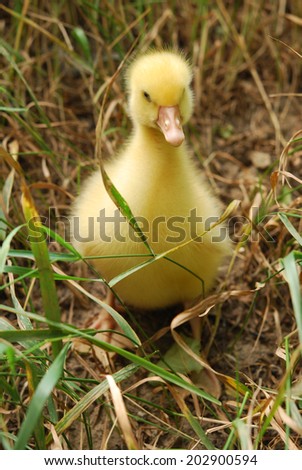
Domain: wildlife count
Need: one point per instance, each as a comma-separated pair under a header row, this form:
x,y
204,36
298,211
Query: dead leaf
x,y
121,414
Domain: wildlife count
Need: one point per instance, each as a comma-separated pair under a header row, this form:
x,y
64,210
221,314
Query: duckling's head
x,y
160,97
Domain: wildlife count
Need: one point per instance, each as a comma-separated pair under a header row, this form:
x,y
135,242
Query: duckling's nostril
x,y
169,122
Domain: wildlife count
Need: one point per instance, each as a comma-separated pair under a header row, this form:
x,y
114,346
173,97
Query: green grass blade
x,y
39,398
9,333
290,227
23,320
9,390
198,429
6,195
226,214
135,359
39,248
12,110
289,263
55,236
89,399
7,355
243,431
27,254
54,39
120,320
4,249
15,359
81,39
124,208
27,338
11,61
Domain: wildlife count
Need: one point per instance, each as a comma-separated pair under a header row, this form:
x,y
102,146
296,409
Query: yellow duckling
x,y
165,191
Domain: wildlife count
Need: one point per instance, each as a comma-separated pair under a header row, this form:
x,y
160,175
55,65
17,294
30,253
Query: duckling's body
x,y
165,191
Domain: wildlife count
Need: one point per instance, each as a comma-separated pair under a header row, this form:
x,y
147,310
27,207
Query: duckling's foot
x,y
207,377
111,333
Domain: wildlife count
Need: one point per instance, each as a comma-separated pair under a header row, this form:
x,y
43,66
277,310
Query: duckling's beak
x,y
169,122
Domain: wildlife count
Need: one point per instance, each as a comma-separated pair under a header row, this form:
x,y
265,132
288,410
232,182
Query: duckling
x,y
165,191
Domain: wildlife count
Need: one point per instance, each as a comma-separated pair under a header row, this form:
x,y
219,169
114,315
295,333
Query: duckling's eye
x,y
147,96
